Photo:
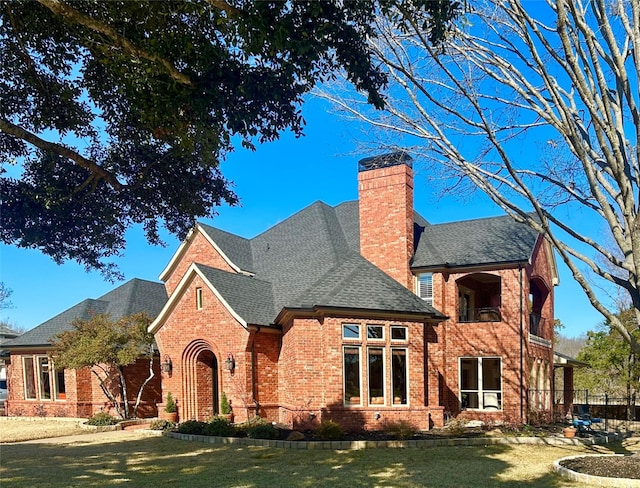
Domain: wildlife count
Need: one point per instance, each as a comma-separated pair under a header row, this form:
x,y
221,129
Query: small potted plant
x,y
171,408
570,432
225,408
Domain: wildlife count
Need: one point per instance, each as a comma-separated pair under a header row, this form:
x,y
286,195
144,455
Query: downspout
x,y
521,349
253,374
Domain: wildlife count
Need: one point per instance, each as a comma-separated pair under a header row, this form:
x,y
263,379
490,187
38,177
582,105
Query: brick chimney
x,y
385,187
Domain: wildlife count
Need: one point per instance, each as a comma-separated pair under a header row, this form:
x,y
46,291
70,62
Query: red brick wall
x,y
494,339
189,336
199,250
84,396
311,376
386,220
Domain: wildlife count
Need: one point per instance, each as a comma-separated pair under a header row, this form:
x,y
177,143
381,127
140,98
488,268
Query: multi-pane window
x,y
41,379
481,383
374,372
425,287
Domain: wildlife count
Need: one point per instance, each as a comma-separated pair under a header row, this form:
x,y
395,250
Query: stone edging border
x,y
119,426
407,444
590,479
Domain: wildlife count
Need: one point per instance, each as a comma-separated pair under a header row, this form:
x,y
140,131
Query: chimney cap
x,y
385,160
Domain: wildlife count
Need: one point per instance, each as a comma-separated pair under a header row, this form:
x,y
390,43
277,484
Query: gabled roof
x,y
357,284
312,260
488,241
134,296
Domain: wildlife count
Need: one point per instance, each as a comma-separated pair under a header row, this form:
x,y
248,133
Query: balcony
x,y
536,321
482,314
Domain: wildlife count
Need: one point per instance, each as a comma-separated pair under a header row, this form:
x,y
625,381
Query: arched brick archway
x,y
200,381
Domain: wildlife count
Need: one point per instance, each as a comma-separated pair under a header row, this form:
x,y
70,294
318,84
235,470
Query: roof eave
x,y
288,313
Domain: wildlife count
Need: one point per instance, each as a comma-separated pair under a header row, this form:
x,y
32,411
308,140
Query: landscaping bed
x,y
606,466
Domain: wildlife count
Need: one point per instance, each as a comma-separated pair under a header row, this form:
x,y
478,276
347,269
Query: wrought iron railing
x,y
482,314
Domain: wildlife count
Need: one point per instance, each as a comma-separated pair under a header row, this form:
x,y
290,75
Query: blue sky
x,y
273,182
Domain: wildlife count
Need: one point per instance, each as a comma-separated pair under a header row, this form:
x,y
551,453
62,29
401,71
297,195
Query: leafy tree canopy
x,y
118,113
106,346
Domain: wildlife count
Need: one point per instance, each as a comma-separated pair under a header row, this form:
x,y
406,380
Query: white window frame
x,y
481,391
357,326
344,378
424,287
384,376
36,363
406,377
400,327
379,326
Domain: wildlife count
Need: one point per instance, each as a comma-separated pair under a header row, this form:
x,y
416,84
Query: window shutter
x,y
425,287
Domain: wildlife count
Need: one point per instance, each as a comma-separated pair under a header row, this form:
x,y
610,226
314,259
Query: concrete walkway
x,y
95,437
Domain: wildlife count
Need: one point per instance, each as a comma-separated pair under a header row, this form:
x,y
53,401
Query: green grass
x,y
161,461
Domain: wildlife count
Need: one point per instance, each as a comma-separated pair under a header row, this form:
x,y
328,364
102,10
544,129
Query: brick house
x,y
38,388
364,313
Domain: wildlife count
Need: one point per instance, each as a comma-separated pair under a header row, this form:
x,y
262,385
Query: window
x,y
425,287
352,376
350,331
45,378
399,376
481,383
374,372
375,332
376,376
60,387
398,333
41,378
29,378
199,298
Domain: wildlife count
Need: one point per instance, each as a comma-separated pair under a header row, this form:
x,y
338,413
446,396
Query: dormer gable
x,y
208,246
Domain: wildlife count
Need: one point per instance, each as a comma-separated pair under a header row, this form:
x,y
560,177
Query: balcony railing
x,y
482,314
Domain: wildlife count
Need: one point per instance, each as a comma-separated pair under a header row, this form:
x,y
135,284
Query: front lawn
x,y
161,461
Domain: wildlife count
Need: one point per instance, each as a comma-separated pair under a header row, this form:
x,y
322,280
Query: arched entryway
x,y
200,382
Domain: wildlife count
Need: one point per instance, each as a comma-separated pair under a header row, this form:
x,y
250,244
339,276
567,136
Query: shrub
x,y
328,430
219,426
263,431
225,406
161,425
102,418
193,427
456,426
170,406
400,430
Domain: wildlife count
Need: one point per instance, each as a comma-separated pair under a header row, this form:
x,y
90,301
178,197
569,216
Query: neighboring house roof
x,y
132,297
494,240
565,361
7,333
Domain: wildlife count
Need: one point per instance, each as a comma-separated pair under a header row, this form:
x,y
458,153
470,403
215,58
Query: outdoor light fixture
x,y
166,365
230,363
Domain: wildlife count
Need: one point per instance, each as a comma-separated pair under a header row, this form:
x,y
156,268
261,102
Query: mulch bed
x,y
607,466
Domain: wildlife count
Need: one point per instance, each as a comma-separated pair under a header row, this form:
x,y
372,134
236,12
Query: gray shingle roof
x,y
356,283
134,296
494,240
249,297
237,248
312,260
